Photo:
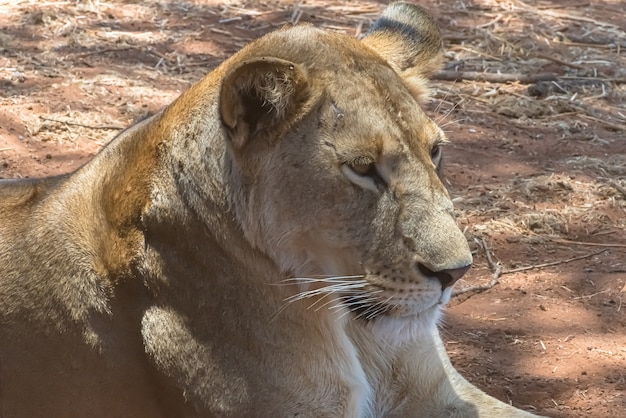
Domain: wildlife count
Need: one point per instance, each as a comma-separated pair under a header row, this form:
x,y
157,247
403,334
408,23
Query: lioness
x,y
275,243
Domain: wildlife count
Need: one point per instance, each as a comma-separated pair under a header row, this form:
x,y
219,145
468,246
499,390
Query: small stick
x,y
612,183
102,51
554,263
82,124
495,268
587,244
495,279
613,126
486,25
600,79
563,6
6,149
560,15
598,96
221,31
475,51
558,61
559,115
591,295
494,78
229,19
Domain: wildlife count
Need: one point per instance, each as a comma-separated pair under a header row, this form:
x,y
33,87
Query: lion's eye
x,y
363,169
435,153
362,172
363,166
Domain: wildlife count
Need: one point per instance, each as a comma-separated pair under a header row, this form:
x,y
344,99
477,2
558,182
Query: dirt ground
x,y
537,171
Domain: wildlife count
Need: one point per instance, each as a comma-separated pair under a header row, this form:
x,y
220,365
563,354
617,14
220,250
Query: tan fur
x,y
266,246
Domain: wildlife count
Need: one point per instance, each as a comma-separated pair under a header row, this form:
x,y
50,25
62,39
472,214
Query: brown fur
x,y
168,276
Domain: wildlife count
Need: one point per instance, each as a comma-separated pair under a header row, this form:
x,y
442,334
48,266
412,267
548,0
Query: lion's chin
x,y
398,330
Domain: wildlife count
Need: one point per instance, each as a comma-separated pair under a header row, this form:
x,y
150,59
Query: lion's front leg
x,y
416,379
440,391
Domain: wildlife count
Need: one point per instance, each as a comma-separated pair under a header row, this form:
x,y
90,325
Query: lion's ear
x,y
262,96
408,38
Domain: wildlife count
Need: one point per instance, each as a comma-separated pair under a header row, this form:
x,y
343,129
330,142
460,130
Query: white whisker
x,y
329,279
335,288
323,305
359,303
346,290
338,290
311,293
375,309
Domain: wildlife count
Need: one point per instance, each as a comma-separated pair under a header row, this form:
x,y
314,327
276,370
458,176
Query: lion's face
x,y
348,190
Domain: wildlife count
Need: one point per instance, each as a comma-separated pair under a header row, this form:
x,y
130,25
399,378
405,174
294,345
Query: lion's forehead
x,y
381,126
379,114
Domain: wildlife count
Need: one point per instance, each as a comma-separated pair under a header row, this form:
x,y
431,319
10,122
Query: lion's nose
x,y
446,277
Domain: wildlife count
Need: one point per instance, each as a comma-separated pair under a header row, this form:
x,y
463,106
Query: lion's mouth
x,y
372,305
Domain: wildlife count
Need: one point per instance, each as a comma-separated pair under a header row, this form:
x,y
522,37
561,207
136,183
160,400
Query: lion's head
x,y
333,167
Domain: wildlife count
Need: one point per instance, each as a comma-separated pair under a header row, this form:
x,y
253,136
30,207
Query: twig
x,y
612,183
558,61
554,263
229,19
5,149
494,78
587,244
563,6
559,115
599,79
592,295
610,125
598,96
475,51
486,25
495,267
496,271
221,31
567,16
102,51
82,124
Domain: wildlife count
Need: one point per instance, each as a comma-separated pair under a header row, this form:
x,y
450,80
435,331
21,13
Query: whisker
x,y
375,309
324,305
361,299
364,300
313,292
328,279
349,292
279,311
381,308
333,292
354,290
335,288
